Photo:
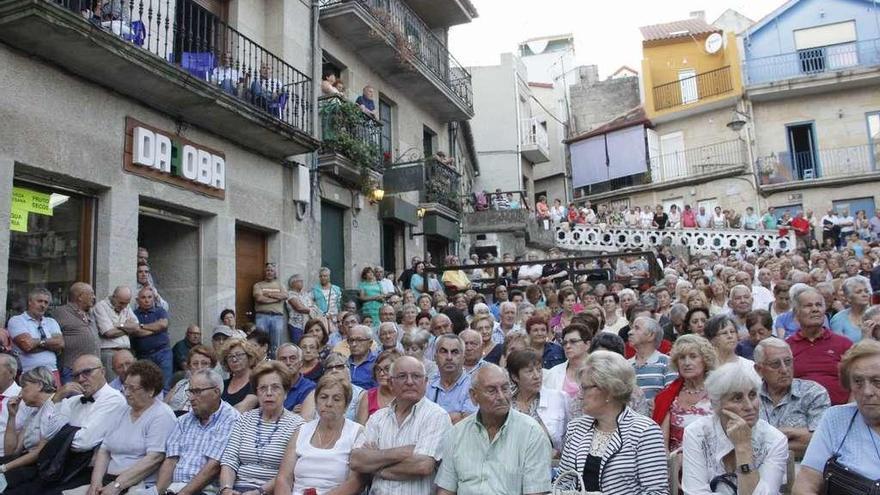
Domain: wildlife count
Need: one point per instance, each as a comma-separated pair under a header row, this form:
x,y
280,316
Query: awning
x,y
436,225
394,208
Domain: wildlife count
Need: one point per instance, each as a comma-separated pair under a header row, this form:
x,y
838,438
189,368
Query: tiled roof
x,y
677,29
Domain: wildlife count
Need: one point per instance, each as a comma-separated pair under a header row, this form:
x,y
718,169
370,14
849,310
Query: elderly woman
x,y
414,344
388,337
238,357
259,439
135,447
541,340
199,357
318,453
685,400
846,438
337,365
721,332
491,351
546,406
524,311
381,395
857,291
617,450
575,343
409,318
871,323
311,359
29,428
733,450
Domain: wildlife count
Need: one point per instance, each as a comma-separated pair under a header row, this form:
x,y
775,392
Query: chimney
x,y
698,14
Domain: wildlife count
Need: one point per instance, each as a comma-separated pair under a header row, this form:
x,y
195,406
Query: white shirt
x,y
11,391
95,419
706,444
530,273
107,319
762,298
324,469
387,286
554,377
553,410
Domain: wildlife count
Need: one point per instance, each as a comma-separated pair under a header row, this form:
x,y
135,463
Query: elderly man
x,y
506,324
150,341
36,338
180,351
367,102
193,450
449,387
455,280
653,371
762,297
301,387
361,359
77,326
115,321
145,279
473,351
403,441
792,405
676,321
8,390
122,360
500,296
269,297
497,451
298,307
740,303
440,325
817,350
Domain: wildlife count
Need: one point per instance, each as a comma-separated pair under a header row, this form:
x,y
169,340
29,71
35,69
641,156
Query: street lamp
x,y
737,121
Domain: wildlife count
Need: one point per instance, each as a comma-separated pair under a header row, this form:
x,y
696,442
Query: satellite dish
x,y
714,43
537,46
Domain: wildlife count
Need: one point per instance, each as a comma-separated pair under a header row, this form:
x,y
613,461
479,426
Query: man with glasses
x,y
792,405
89,403
36,338
300,392
361,359
269,297
403,441
150,341
449,388
495,436
194,448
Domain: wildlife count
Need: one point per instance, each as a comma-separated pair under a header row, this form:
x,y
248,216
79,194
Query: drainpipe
x,y
316,88
519,179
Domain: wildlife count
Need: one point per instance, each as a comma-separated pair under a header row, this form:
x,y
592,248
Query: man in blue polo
x,y
361,359
150,341
300,386
450,387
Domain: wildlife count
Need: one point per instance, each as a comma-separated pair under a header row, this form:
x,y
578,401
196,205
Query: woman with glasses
x,y
256,446
381,395
575,343
199,357
318,454
238,357
337,365
134,448
311,358
733,450
547,407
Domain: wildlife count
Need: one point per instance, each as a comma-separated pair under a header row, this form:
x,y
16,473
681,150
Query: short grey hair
x,y
475,380
849,285
871,312
10,363
612,373
366,329
293,278
406,307
765,344
506,304
653,326
323,269
39,291
450,336
727,379
211,375
795,293
42,377
419,338
296,349
678,310
739,287
481,307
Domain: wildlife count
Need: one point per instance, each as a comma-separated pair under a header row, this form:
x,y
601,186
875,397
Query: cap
x,y
222,330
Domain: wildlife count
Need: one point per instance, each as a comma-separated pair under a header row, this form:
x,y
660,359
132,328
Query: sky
x,y
606,32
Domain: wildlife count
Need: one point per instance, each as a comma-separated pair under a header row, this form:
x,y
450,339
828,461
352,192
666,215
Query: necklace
x,y
694,391
321,441
259,442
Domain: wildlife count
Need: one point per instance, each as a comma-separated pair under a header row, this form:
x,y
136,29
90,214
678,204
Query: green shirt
x,y
516,461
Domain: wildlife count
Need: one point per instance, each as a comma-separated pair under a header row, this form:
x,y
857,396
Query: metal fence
x,y
442,185
417,43
812,61
698,161
534,134
190,37
693,89
347,130
820,164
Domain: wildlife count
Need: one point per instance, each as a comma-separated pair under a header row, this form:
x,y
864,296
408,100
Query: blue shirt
x,y
194,444
362,374
455,400
842,325
156,341
553,355
370,104
746,349
298,392
858,452
23,324
790,324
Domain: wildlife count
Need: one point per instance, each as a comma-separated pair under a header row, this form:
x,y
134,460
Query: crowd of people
x,y
727,375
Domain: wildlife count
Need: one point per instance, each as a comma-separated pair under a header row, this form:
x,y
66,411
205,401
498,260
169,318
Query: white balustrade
x,y
698,241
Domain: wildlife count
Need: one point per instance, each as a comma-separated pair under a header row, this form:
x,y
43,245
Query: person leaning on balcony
x,y
226,76
750,220
328,83
674,217
688,218
265,90
367,102
718,219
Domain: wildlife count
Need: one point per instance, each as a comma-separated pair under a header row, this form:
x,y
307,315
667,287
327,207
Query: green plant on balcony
x,y
342,122
406,53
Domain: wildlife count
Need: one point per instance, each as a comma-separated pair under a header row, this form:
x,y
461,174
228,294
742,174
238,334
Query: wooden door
x,y
250,262
332,242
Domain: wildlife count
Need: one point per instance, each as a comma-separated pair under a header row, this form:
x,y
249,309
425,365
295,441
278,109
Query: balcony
x,y
350,147
698,163
813,70
693,90
395,42
439,185
443,13
176,58
818,168
535,145
698,241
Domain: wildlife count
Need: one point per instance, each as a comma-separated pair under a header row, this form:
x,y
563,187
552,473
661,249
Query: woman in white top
x,y
646,219
721,332
733,450
318,454
546,406
674,217
29,427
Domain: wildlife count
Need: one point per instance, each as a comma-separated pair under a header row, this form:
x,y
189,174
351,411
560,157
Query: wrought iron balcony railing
x,y
812,61
347,130
699,161
693,89
830,163
442,185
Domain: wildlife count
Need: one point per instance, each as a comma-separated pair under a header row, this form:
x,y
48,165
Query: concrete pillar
x,y
116,239
7,166
218,269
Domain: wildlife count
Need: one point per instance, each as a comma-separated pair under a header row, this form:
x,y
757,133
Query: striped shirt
x,y
425,428
634,461
195,444
255,455
654,375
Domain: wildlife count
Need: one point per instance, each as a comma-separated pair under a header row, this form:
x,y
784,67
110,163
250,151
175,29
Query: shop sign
x,y
25,201
157,154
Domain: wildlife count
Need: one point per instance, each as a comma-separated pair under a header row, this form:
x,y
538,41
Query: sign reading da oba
x,y
158,155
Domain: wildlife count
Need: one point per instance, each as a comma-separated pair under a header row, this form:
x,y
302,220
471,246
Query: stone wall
x,y
594,103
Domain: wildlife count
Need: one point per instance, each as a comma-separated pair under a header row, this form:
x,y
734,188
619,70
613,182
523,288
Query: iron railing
x,y
534,134
812,61
347,130
819,164
442,185
417,44
698,161
195,40
499,200
693,89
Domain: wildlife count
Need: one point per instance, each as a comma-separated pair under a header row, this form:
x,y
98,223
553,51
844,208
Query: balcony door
x,y
673,163
687,79
802,151
333,242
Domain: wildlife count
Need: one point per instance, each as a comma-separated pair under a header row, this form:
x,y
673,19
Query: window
x,y
428,141
50,243
874,138
387,136
831,46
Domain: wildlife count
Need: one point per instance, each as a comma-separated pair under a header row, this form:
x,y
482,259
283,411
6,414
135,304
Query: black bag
x,y
841,480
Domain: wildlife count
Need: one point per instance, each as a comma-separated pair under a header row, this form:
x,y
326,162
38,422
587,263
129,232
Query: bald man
x,y
115,321
77,326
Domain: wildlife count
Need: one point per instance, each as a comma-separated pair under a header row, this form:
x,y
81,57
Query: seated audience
x,y
652,368
382,394
239,357
181,349
541,340
576,340
200,358
546,406
336,365
300,398
311,359
760,326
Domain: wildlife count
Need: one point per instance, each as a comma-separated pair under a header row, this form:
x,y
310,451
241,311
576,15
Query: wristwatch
x,y
42,343
745,468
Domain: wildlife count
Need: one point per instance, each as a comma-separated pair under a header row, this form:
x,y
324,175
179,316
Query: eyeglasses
x,y
334,367
273,388
779,363
192,392
404,377
571,341
85,372
236,356
131,389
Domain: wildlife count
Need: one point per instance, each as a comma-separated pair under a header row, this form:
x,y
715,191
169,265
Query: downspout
x,y
316,88
519,179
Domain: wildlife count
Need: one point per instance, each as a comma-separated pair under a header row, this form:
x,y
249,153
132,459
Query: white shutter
x,y
829,34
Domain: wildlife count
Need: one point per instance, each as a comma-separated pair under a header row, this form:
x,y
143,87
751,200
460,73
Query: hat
x,y
222,330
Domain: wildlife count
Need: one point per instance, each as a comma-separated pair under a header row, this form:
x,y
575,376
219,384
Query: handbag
x,y
841,480
579,486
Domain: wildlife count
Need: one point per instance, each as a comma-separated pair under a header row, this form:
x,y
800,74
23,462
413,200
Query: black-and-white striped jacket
x,y
634,462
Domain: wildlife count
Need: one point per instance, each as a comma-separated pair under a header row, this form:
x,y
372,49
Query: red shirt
x,y
801,226
688,218
818,360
